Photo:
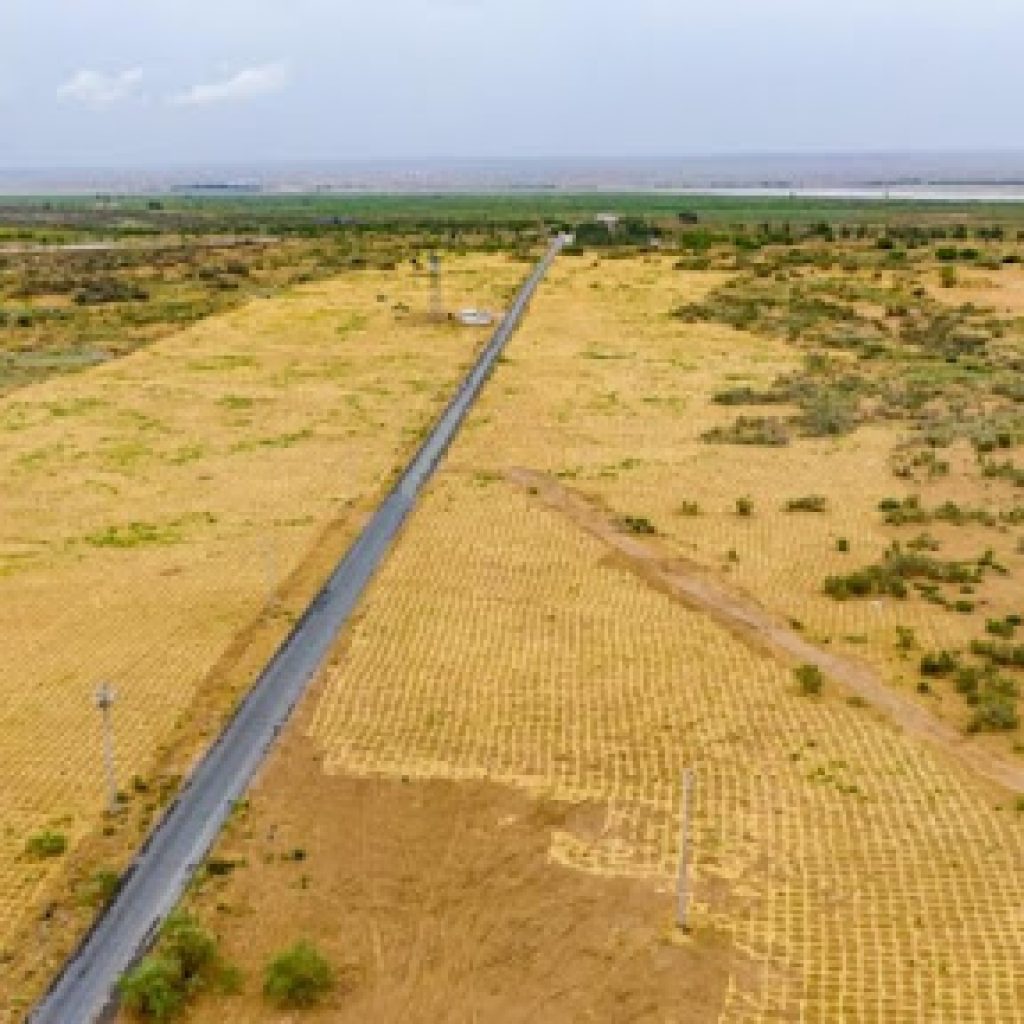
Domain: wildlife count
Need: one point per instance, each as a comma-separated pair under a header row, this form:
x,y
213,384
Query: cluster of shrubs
x,y
899,512
1005,471
187,962
992,695
888,578
766,431
628,231
110,289
750,396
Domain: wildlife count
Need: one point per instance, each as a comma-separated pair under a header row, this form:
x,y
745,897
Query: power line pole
x,y
683,888
436,299
105,701
270,574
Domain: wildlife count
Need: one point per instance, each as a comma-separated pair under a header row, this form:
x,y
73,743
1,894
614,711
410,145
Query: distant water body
x,y
921,193
951,177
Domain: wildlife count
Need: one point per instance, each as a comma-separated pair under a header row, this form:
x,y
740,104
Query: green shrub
x,y
45,844
153,989
637,524
996,712
888,577
1000,627
940,663
905,639
751,430
100,888
810,679
192,947
186,962
299,976
749,396
744,507
810,503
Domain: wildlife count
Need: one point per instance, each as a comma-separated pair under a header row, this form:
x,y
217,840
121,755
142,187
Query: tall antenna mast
x,y
436,300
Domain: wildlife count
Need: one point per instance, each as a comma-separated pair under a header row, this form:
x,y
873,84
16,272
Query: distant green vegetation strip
x,y
269,209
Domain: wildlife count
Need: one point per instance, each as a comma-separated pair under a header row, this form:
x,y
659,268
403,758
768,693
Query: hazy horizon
x,y
115,85
942,175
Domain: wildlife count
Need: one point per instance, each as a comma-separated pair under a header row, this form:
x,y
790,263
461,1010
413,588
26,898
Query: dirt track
x,y
696,587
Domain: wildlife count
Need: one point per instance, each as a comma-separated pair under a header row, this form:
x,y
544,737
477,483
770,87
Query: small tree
x,y
299,976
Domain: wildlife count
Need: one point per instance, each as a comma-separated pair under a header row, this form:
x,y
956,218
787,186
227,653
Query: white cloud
x,y
261,80
96,89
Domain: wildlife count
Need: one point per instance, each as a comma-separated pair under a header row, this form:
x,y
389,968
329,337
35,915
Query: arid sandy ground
x,y
844,869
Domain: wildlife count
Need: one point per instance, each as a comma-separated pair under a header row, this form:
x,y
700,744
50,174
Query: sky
x,y
122,83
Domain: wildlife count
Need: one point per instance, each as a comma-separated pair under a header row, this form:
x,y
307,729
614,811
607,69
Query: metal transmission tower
x,y
436,299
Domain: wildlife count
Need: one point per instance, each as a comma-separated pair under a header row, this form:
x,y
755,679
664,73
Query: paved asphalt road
x,y
83,992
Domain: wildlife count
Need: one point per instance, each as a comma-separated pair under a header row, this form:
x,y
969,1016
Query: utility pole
x,y
270,573
683,889
105,701
436,301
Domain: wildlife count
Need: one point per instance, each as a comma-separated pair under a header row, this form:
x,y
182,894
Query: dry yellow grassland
x,y
625,394
866,876
145,505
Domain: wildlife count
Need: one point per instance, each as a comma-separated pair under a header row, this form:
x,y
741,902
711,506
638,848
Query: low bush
x,y
637,524
299,976
996,712
939,663
46,844
186,962
763,431
888,578
100,888
153,989
810,503
810,679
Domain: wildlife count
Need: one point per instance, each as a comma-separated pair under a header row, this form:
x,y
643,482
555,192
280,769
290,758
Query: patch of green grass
x,y
288,440
133,535
219,364
46,844
235,402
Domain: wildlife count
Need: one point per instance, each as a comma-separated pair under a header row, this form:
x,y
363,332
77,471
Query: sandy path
x,y
742,615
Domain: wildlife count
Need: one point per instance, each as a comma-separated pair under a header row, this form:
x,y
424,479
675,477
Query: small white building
x,y
475,317
609,220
